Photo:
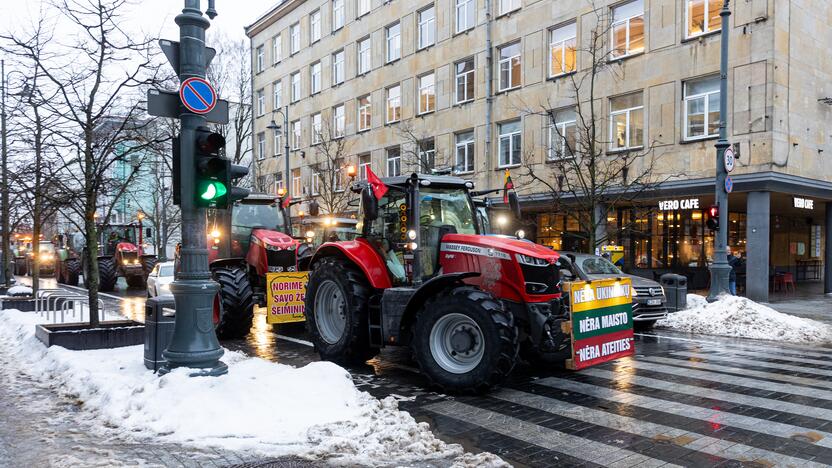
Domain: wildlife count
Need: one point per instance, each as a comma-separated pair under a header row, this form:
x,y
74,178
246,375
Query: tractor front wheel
x,y
71,270
337,297
107,274
237,312
465,341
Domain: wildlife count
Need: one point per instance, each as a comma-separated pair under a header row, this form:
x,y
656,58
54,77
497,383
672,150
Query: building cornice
x,y
280,10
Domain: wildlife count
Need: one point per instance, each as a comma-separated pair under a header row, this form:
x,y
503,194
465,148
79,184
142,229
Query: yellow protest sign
x,y
285,296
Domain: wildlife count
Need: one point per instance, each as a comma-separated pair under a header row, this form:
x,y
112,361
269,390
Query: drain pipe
x,y
489,92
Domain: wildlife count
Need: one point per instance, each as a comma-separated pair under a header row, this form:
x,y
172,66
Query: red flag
x,y
379,189
287,200
509,185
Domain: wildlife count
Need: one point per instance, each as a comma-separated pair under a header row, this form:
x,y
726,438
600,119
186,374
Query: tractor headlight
x,y
533,261
135,262
411,234
310,234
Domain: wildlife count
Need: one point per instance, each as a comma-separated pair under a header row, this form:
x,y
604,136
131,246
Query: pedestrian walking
x,y
734,262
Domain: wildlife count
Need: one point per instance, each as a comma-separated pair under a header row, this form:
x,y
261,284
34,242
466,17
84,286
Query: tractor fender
x,y
427,290
223,262
360,253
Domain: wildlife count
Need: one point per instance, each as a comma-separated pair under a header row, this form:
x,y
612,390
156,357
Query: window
x,y
427,94
427,155
394,104
465,80
464,159
339,121
562,134
702,108
394,162
261,145
703,16
316,183
294,38
508,5
364,162
295,86
261,102
260,59
510,143
316,128
394,44
315,26
365,113
627,121
364,55
296,135
338,67
277,95
297,186
510,74
315,78
279,182
562,52
427,27
338,16
363,7
627,29
277,49
466,14
278,143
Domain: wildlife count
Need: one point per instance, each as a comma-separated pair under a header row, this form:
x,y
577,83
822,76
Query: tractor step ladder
x,y
374,320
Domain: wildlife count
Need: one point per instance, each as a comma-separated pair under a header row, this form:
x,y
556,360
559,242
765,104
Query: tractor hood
x,y
272,240
500,245
272,251
126,247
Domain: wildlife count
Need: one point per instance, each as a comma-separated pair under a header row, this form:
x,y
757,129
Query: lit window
x,y
315,26
364,56
702,108
296,135
277,95
394,104
363,7
562,52
277,49
508,5
338,15
427,27
296,87
394,43
316,128
627,121
510,67
394,162
562,134
363,163
365,113
510,143
294,38
339,121
338,67
466,14
261,145
260,59
465,80
627,29
427,155
261,102
703,16
464,159
427,94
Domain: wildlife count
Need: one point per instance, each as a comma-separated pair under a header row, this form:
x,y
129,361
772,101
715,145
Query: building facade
x,y
487,85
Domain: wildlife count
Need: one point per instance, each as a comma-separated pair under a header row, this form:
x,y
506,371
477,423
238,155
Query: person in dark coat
x,y
734,262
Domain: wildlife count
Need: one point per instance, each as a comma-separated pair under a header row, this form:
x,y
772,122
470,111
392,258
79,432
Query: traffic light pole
x,y
194,343
720,269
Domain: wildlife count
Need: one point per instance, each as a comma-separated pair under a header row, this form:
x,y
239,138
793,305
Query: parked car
x,y
649,300
158,282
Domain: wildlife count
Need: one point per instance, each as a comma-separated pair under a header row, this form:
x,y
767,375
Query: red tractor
x,y
421,274
119,254
244,243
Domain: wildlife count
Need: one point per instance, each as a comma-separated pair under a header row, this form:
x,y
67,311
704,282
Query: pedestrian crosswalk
x,y
730,403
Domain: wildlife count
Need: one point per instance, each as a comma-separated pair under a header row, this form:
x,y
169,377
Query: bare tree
x,y
328,164
586,173
419,152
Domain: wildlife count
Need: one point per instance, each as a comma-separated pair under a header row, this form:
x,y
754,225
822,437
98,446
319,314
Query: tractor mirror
x,y
514,204
314,208
369,204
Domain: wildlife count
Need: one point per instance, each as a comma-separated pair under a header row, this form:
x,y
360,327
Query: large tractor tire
x,y
337,297
465,341
71,269
107,274
237,311
148,262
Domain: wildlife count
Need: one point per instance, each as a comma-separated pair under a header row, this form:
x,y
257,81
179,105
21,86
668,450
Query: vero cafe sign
x,y
679,204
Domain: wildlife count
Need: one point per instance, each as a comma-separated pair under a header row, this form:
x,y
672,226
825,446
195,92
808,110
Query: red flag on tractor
x,y
287,200
509,185
379,189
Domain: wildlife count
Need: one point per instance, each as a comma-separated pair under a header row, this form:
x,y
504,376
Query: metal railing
x,y
55,301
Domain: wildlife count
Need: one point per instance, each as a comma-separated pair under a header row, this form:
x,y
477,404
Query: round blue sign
x,y
198,95
729,184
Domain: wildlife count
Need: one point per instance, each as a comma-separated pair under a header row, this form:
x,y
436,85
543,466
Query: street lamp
x,y
285,132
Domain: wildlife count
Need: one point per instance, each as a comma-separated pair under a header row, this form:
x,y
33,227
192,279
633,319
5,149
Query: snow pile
x,y
744,318
273,409
19,291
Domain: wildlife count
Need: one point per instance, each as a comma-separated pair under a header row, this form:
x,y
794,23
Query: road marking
x,y
690,440
567,444
771,365
296,340
714,417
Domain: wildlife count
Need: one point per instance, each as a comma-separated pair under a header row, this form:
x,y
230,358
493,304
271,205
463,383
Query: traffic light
x,y
713,218
214,174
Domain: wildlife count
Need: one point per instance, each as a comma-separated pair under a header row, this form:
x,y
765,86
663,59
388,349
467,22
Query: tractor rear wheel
x,y
107,274
337,297
465,341
237,311
148,262
71,270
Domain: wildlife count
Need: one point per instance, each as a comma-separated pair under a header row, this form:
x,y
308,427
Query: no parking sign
x,y
197,95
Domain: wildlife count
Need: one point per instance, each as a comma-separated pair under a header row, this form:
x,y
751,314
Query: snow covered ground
x,y
741,317
314,411
19,291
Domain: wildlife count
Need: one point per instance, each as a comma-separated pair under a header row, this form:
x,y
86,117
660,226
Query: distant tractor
x,y
67,261
246,242
421,274
317,230
46,256
119,254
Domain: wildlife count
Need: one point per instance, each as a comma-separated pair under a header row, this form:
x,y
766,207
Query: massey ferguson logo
x,y
474,250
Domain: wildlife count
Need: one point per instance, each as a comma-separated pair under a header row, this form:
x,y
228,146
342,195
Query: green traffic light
x,y
212,190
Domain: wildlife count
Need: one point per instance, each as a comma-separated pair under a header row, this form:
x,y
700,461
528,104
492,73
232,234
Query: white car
x,y
159,280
